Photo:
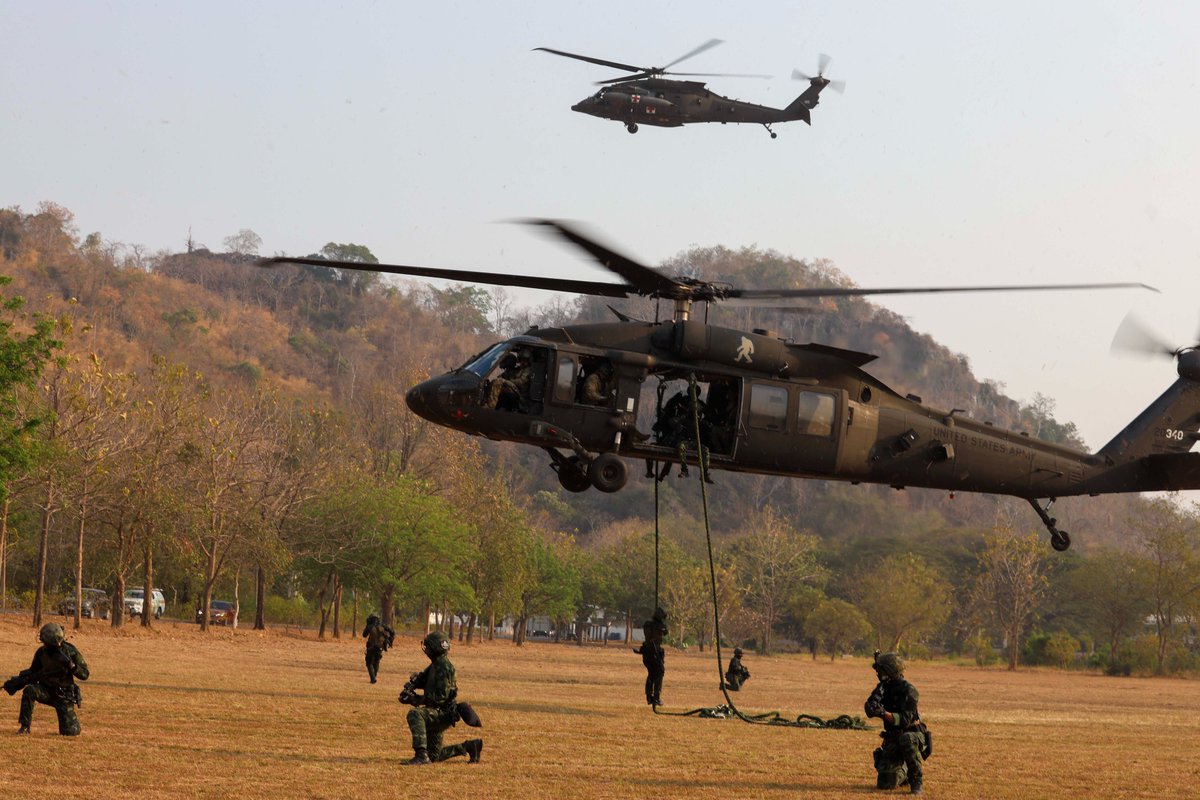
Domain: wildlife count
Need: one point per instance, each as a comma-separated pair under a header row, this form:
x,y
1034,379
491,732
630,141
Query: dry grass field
x,y
238,714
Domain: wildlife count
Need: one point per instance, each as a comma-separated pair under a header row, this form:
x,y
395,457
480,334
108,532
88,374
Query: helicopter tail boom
x,y
1168,426
801,107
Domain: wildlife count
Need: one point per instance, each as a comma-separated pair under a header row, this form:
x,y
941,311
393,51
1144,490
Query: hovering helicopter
x,y
648,98
593,395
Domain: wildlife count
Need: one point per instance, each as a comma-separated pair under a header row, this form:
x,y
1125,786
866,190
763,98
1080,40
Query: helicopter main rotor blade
x,y
602,62
718,75
643,279
467,276
710,44
761,294
1134,336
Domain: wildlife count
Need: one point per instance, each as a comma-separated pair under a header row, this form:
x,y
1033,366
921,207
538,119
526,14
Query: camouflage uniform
x,y
899,759
65,663
438,710
513,381
379,638
737,674
595,389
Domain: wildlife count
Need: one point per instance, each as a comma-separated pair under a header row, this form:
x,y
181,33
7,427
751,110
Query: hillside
x,y
357,342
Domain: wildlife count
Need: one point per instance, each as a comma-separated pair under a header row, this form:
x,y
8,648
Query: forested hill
x,y
352,343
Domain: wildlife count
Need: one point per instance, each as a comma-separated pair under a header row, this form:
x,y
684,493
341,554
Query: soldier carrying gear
x,y
906,740
50,680
436,709
379,638
737,674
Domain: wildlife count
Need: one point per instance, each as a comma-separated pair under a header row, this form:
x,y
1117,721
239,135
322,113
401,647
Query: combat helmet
x,y
737,651
435,644
52,634
889,665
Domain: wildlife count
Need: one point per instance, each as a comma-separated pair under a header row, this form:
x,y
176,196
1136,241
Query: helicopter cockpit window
x,y
815,414
484,364
511,386
768,407
564,383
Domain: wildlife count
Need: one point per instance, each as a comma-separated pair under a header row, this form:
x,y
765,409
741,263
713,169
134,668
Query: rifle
x,y
462,709
874,705
27,676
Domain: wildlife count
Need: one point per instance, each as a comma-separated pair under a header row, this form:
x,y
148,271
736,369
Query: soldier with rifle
x,y
436,708
906,740
50,680
379,638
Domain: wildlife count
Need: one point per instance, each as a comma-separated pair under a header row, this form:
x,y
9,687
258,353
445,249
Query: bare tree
x,y
1011,585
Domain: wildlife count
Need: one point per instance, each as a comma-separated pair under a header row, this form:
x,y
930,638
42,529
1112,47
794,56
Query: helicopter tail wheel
x,y
632,127
573,476
1060,540
774,135
608,472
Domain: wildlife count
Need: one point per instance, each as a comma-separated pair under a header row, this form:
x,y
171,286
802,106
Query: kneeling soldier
x,y
437,708
50,680
906,741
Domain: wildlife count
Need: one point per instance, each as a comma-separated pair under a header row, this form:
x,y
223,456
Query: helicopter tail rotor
x,y
1136,337
823,62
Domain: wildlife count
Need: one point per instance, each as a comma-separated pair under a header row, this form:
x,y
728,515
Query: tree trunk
x,y
326,590
4,554
260,599
471,628
337,610
426,608
39,596
78,622
210,578
354,623
388,608
118,610
148,609
492,626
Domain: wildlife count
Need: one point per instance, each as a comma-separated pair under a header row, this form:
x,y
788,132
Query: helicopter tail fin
x,y
801,107
1170,425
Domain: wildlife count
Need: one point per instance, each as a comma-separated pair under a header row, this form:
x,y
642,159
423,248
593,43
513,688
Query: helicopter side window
x,y
597,386
564,381
815,414
768,407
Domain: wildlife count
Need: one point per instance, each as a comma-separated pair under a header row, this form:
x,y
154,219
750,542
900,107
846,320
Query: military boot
x,y
23,730
914,787
473,747
421,757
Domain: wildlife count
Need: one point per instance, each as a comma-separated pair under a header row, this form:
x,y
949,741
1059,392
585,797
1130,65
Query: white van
x,y
134,598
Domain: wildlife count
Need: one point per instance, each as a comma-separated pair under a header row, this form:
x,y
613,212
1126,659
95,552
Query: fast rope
x,y
729,709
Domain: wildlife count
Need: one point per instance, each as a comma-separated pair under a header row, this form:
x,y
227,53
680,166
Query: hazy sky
x,y
1014,142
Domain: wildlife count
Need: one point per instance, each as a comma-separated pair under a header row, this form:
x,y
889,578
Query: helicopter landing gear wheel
x,y
767,125
608,472
1060,540
631,127
573,475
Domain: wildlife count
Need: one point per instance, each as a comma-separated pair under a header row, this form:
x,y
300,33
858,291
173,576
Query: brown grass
x,y
174,713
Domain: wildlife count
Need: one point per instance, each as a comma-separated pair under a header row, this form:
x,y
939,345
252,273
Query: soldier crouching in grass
x,y
906,740
50,680
437,708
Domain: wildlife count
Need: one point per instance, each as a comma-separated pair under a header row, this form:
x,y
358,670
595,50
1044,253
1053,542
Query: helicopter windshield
x,y
483,365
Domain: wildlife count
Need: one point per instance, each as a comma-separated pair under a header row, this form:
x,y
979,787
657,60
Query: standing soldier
x,y
379,638
653,656
50,680
906,740
437,708
736,675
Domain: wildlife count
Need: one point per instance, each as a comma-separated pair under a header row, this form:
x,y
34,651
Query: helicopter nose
x,y
447,400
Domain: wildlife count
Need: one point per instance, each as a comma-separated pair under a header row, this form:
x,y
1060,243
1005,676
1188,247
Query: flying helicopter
x,y
648,98
593,395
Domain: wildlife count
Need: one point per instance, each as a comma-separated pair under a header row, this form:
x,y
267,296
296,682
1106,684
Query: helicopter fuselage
x,y
671,103
773,407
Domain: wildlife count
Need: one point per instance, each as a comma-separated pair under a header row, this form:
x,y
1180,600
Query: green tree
x,y
836,626
1114,587
773,561
903,597
1170,538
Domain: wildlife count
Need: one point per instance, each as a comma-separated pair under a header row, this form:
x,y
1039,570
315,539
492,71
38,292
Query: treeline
x,y
192,422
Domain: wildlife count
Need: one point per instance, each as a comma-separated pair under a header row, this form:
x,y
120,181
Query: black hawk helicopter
x,y
650,99
592,395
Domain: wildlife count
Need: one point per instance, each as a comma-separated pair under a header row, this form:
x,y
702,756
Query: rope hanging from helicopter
x,y
729,708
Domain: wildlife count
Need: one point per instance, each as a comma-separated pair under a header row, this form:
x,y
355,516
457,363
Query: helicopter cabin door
x,y
791,429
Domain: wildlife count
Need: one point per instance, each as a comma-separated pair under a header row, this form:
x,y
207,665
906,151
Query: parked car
x,y
95,604
134,598
220,613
